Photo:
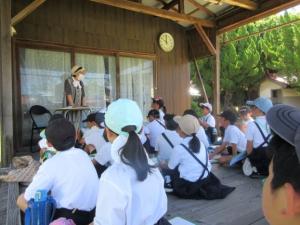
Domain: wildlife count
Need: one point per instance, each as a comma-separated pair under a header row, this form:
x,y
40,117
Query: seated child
x,y
93,138
131,190
69,176
154,129
245,118
201,134
194,178
258,135
103,157
234,140
167,141
47,152
281,191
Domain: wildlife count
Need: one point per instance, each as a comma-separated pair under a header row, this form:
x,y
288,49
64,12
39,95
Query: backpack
x,y
41,209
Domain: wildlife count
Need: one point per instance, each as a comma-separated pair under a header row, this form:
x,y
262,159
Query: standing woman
x,y
74,88
75,94
131,191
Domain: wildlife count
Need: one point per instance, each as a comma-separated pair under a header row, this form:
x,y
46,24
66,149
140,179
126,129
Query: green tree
x,y
244,63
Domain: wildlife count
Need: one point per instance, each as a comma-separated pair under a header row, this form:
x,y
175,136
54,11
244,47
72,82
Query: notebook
x,y
180,221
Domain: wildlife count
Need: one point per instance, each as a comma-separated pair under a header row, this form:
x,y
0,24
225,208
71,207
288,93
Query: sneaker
x,y
168,188
247,168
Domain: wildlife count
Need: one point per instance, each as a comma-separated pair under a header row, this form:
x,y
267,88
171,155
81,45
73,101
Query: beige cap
x,y
77,69
188,124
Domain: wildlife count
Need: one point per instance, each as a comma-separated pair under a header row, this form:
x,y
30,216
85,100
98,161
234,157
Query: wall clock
x,y
166,42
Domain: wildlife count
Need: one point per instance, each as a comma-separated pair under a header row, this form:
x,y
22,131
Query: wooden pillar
x,y
6,112
216,79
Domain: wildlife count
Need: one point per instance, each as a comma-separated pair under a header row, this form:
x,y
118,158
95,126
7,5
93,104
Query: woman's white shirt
x,y
71,178
189,168
123,200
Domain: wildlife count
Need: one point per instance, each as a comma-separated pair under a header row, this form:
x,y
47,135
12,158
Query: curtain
x,y
136,81
99,80
42,75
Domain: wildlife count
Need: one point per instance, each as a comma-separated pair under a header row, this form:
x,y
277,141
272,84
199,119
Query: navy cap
x,y
284,120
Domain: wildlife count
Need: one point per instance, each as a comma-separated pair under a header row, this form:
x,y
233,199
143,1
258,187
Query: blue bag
x,y
41,209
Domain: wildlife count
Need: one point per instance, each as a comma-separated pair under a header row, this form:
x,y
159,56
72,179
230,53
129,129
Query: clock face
x,y
166,42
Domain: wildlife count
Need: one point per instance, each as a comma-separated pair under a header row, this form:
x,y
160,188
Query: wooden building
x,y
118,42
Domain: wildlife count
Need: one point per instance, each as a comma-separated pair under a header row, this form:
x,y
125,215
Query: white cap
x,y
206,105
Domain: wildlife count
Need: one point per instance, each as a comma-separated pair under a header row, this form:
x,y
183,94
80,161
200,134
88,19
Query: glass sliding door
x,y
42,75
136,81
100,79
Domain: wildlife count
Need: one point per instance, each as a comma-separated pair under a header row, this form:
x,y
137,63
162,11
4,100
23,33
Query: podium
x,y
74,114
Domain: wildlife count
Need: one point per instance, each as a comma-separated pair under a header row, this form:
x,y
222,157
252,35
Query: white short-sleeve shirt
x,y
209,119
163,147
161,116
233,135
103,155
123,200
155,129
71,178
95,137
189,168
253,133
203,137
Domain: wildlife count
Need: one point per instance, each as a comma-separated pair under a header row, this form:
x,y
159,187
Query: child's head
x,y
157,103
190,112
91,120
61,134
188,125
170,122
206,108
153,114
281,193
260,106
124,118
245,113
227,118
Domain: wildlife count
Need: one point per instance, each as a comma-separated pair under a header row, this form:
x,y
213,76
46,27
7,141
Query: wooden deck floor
x,y
241,207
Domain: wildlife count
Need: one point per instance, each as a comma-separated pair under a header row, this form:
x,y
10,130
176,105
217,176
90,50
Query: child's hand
x,y
89,148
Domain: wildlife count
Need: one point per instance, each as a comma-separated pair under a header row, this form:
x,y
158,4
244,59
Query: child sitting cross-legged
x,y
70,176
194,179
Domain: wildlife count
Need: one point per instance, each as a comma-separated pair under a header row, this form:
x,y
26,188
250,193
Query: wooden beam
x,y
205,39
193,11
164,3
216,79
26,11
170,5
202,8
136,7
6,85
242,37
239,18
181,6
246,4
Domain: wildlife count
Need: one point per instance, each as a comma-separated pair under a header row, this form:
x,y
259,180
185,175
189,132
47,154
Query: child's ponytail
x,y
134,155
194,143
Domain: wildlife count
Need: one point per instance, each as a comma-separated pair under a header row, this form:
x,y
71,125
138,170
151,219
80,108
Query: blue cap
x,y
122,113
263,103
